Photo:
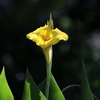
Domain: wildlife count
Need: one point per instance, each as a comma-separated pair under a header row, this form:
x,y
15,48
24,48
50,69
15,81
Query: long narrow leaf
x,y
5,92
27,91
86,91
31,91
42,97
55,92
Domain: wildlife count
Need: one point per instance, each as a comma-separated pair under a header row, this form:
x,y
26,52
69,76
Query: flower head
x,y
46,36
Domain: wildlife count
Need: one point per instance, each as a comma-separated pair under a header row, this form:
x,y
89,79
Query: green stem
x,y
48,70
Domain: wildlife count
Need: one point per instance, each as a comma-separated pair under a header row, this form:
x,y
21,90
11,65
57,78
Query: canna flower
x,y
46,36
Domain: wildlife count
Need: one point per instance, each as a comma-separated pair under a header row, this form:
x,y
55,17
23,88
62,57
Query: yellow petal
x,y
32,36
45,27
59,35
43,44
48,43
39,41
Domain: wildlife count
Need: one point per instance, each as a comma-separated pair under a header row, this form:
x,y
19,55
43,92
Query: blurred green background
x,y
80,19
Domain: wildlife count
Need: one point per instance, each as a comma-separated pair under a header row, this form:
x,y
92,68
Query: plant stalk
x,y
48,72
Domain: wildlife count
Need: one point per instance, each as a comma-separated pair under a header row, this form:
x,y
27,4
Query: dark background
x,y
80,19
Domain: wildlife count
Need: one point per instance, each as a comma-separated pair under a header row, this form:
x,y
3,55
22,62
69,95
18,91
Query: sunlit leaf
x,y
55,93
31,91
5,92
86,91
42,97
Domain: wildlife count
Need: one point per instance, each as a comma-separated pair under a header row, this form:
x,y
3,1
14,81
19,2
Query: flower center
x,y
45,35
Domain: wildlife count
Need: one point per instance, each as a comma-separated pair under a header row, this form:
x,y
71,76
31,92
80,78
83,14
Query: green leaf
x,y
86,91
27,91
5,92
42,97
42,86
55,93
31,91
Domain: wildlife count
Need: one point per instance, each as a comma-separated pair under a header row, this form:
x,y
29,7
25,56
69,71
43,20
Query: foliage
x,y
5,92
33,92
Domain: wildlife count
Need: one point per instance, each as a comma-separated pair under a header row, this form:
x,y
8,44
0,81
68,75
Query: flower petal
x,y
59,35
32,36
43,44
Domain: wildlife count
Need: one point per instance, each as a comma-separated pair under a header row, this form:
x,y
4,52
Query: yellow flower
x,y
46,36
